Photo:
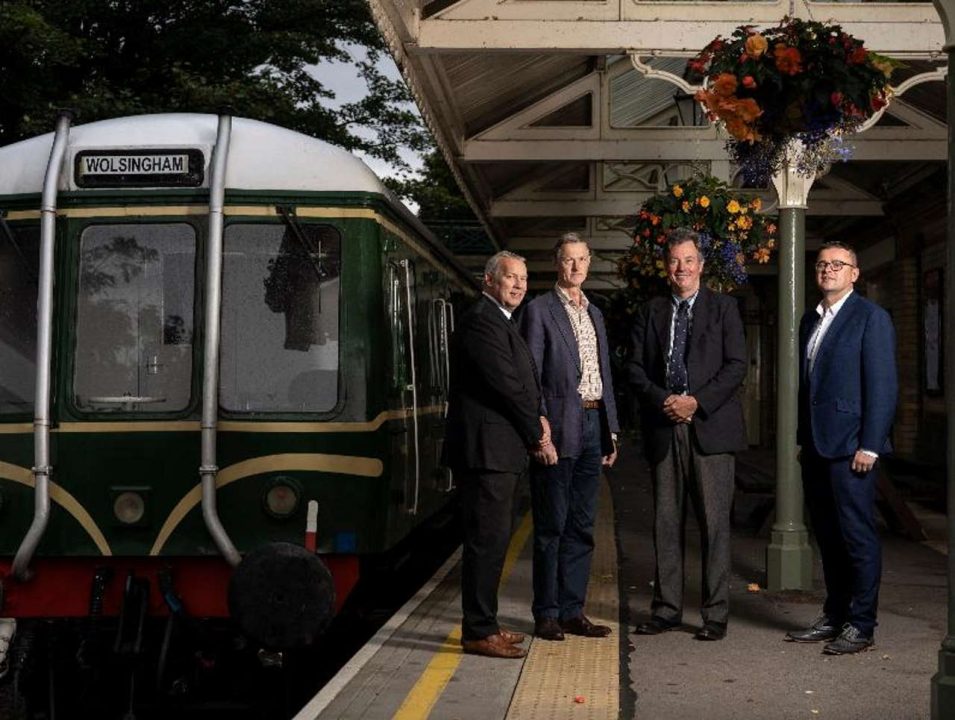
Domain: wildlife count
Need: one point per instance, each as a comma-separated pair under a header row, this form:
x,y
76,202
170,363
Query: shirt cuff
x,y
869,453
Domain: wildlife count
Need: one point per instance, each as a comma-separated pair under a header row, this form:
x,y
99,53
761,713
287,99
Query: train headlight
x,y
129,507
281,497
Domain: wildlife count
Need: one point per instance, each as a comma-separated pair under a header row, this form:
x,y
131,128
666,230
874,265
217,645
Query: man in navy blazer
x,y
847,394
688,363
567,338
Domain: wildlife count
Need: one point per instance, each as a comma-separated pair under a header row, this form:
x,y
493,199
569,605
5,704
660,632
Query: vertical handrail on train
x,y
210,353
44,351
413,510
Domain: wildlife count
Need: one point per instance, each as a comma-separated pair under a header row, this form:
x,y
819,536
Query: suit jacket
x,y
848,401
550,337
716,366
494,405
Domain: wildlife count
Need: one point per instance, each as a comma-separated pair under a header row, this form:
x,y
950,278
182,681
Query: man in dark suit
x,y
566,336
494,420
847,394
689,360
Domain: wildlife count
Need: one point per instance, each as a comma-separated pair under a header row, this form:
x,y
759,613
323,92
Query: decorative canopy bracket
x,y
669,77
936,75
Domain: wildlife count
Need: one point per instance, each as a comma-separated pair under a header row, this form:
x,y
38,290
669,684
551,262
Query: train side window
x,y
19,269
280,319
134,318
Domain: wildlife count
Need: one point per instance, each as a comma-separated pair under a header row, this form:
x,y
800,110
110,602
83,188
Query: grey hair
x,y
838,244
680,235
494,262
566,239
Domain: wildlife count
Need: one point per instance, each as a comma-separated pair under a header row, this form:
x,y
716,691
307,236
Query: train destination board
x,y
139,168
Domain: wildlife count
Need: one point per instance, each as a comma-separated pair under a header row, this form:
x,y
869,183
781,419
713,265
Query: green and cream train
x,y
223,373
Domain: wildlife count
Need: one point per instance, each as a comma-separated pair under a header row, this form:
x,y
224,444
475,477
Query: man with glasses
x,y
847,395
688,363
566,336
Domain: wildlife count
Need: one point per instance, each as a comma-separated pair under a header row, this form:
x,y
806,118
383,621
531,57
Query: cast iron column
x,y
788,556
943,682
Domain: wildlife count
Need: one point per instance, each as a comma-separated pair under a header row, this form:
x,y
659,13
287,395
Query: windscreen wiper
x,y
314,258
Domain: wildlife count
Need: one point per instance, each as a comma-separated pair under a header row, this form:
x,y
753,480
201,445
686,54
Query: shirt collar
x,y
690,300
565,298
835,307
507,313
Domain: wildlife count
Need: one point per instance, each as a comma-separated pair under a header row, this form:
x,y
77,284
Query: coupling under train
x,y
223,374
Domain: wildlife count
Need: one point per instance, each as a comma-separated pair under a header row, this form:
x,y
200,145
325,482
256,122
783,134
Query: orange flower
x,y
704,201
756,204
685,206
788,59
677,191
761,255
724,85
756,45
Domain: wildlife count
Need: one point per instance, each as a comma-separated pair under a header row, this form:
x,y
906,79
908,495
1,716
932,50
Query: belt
x,y
591,404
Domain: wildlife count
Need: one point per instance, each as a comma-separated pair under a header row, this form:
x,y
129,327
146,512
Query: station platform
x,y
414,668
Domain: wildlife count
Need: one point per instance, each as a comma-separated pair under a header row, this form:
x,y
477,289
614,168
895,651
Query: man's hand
x,y
610,459
546,455
545,427
680,408
862,462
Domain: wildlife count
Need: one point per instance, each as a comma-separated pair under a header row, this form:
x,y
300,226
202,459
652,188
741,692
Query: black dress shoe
x,y
711,631
656,626
548,629
821,629
850,641
580,625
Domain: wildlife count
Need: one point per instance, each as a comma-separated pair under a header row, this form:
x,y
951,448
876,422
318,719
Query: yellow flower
x,y
744,223
685,206
732,207
659,264
704,201
756,45
677,191
756,204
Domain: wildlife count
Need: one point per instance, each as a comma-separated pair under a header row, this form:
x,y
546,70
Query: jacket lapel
x,y
660,317
559,314
699,318
842,318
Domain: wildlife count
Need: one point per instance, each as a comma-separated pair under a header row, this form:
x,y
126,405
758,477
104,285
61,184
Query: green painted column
x,y
789,556
943,682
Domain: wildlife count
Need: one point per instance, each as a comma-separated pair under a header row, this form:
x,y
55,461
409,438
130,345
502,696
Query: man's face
x,y
510,284
835,283
684,266
573,262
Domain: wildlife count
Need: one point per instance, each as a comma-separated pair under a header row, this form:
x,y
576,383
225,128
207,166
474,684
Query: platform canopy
x,y
553,117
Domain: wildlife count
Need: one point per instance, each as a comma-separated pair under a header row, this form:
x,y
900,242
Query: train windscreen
x,y
280,296
134,319
19,269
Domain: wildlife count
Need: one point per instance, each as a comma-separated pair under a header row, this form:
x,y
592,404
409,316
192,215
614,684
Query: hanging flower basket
x,y
801,82
732,232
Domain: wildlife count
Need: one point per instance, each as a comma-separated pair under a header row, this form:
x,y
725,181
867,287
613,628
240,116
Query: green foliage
x,y
108,58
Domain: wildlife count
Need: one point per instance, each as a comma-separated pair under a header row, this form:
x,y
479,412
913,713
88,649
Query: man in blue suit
x,y
847,394
567,338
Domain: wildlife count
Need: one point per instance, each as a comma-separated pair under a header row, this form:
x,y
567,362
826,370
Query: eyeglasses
x,y
834,265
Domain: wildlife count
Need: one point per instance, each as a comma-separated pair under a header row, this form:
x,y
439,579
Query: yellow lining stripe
x,y
61,497
421,699
340,464
134,426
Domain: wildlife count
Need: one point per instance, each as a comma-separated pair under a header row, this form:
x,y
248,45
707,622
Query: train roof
x,y
307,164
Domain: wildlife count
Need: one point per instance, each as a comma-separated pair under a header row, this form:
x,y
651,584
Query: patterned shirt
x,y
591,385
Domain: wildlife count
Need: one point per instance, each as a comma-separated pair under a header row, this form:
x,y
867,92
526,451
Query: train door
x,y
440,325
403,396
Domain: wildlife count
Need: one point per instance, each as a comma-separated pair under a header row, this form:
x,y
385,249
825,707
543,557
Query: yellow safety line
x,y
421,698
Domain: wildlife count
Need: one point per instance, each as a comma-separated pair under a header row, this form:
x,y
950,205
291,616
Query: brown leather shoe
x,y
580,625
548,629
514,638
493,646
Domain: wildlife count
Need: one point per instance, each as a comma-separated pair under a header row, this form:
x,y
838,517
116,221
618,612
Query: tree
x,y
107,58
